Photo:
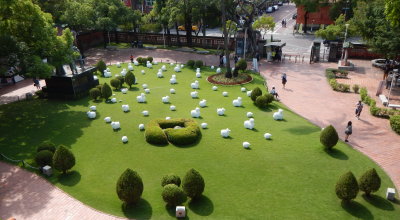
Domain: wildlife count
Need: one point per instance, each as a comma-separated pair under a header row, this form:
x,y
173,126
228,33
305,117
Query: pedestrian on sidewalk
x,y
359,108
348,131
221,59
36,83
235,59
274,93
284,79
131,58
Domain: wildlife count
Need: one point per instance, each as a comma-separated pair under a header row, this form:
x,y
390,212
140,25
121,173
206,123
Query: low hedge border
x,y
160,131
392,114
332,74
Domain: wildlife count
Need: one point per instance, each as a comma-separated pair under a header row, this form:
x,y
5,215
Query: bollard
x,y
295,59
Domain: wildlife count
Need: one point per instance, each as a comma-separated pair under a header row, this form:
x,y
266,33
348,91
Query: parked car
x,y
381,63
182,28
276,7
270,9
294,16
280,3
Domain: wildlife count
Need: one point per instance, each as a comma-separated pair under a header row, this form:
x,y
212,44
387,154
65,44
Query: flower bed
x,y
220,79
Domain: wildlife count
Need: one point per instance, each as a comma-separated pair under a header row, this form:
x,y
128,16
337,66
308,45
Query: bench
x,y
393,106
383,99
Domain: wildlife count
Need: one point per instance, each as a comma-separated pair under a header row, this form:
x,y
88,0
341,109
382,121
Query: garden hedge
x,y
395,123
161,131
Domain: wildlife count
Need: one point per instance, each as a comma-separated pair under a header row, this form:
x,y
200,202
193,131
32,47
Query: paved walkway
x,y
24,195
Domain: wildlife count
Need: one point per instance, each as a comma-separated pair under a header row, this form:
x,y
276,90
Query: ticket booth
x,y
273,51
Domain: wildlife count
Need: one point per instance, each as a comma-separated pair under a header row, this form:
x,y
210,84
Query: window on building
x,y
149,2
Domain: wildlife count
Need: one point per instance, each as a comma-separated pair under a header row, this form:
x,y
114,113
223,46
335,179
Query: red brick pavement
x,y
25,195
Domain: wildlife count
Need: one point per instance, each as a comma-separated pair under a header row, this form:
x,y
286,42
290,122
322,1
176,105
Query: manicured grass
x,y
288,177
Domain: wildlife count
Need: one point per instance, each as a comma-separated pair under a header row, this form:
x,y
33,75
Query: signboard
x,y
255,65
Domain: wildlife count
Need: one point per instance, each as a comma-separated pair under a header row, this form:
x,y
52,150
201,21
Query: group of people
x,y
284,23
273,90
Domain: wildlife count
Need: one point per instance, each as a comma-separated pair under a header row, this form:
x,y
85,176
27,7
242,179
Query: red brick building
x,y
144,7
314,19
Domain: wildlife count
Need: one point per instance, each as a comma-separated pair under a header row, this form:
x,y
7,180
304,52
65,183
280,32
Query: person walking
x,y
348,131
131,58
284,79
36,83
359,108
221,59
236,59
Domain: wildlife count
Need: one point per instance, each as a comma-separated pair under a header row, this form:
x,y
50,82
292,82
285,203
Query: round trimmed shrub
x,y
116,83
101,66
255,93
329,137
106,91
262,101
130,78
190,63
99,87
121,79
150,59
47,145
241,64
370,182
347,187
193,184
94,93
44,157
170,179
141,60
173,195
129,187
198,64
395,123
63,159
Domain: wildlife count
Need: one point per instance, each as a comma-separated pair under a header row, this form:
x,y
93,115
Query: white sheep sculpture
x,y
114,100
215,88
204,125
249,114
249,124
267,136
124,139
160,74
195,113
225,94
246,145
123,72
225,132
177,68
125,108
195,85
278,115
248,93
172,107
237,102
194,94
243,89
124,90
149,65
220,111
118,64
136,63
141,127
91,114
203,103
145,113
130,67
164,68
147,91
155,62
115,125
141,98
143,72
167,118
212,67
198,75
218,70
144,86
107,119
165,99
172,80
92,108
172,91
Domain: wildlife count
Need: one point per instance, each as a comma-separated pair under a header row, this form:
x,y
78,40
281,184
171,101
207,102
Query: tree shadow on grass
x,y
140,210
357,210
202,206
378,202
302,130
336,153
70,178
171,212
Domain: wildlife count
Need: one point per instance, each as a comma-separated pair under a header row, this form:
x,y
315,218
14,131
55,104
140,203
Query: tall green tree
x,y
63,159
264,23
392,11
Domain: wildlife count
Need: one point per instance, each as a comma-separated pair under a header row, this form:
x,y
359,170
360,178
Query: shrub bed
x,y
163,131
220,79
395,123
332,74
374,110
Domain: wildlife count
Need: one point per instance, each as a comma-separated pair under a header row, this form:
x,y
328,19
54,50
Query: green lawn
x,y
288,177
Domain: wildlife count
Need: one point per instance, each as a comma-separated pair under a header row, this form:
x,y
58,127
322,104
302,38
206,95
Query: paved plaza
x,y
28,196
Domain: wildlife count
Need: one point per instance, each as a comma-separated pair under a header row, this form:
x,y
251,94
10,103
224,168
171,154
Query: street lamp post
x,y
344,41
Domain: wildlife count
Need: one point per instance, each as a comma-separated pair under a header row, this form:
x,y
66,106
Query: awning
x,y
275,44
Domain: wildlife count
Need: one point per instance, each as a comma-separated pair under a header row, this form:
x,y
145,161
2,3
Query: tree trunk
x,y
228,73
204,33
116,36
178,40
104,39
305,22
168,37
188,27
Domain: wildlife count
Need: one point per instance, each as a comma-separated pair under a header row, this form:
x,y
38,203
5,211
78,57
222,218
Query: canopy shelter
x,y
273,50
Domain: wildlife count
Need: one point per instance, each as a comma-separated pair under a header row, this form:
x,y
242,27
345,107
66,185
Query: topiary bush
x,y
141,60
170,179
190,63
121,79
106,91
356,88
395,123
255,93
63,159
129,187
161,131
154,134
101,66
116,83
347,187
44,157
193,184
370,182
150,59
263,101
130,79
241,64
173,195
329,137
235,72
198,64
94,93
47,145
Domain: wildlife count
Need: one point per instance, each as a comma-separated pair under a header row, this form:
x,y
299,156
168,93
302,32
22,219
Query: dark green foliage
x,y
190,63
99,87
63,159
150,59
44,157
116,83
188,134
47,145
94,93
255,93
370,182
106,91
395,123
241,64
141,60
122,79
130,78
101,66
356,88
173,195
235,72
40,94
340,87
198,64
262,101
329,137
347,187
380,112
170,179
193,184
129,187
